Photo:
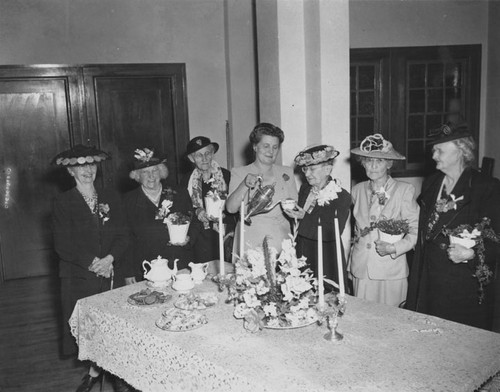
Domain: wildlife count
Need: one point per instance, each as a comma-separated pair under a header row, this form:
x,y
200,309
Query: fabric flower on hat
x,y
143,155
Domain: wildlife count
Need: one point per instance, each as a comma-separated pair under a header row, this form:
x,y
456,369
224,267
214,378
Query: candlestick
x,y
221,244
338,245
321,293
242,228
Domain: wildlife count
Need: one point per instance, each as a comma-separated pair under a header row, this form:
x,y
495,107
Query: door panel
x,y
33,128
137,108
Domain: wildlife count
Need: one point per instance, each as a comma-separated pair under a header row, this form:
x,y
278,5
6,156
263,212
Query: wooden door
x,y
132,106
35,124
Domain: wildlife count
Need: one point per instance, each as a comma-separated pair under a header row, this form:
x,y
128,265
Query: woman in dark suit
x,y
321,198
90,237
443,280
143,207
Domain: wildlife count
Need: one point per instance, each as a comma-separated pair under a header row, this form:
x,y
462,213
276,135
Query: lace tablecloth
x,y
384,349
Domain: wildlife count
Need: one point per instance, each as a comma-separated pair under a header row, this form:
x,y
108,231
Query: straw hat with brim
x,y
315,155
375,146
200,142
144,157
448,132
80,155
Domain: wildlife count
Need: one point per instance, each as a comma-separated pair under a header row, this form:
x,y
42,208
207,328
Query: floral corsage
x,y
104,212
329,192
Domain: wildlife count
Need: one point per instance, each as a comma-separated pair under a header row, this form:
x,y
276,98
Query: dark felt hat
x,y
200,142
448,132
80,155
315,154
145,157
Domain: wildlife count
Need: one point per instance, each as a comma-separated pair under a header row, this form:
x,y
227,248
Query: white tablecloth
x,y
384,349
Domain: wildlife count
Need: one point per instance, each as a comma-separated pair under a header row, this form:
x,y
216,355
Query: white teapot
x,y
198,271
159,272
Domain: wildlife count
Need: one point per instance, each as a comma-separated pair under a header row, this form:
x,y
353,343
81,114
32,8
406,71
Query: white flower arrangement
x,y
273,292
164,210
329,192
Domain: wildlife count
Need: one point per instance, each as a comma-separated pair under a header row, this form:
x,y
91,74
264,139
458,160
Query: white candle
x,y
321,292
242,228
338,245
221,243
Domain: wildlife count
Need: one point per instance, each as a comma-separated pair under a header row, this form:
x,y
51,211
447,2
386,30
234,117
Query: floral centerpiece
x,y
273,292
477,234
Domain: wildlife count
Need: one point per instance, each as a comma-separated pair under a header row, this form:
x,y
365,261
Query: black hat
x,y
200,142
80,155
448,132
145,157
315,155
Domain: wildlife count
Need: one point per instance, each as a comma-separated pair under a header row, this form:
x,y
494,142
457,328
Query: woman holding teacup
x,y
321,199
148,207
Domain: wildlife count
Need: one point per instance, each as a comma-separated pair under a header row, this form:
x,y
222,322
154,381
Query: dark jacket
x,y
80,236
437,286
149,236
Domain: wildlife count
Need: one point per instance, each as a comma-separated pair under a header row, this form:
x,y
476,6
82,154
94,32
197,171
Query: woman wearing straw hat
x,y
321,199
146,208
379,269
90,238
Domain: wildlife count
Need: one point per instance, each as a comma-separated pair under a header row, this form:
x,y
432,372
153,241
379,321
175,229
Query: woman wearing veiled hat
x,y
90,238
449,280
146,208
379,269
321,199
207,181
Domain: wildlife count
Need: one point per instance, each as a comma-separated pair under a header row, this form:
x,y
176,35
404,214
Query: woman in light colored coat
x,y
379,269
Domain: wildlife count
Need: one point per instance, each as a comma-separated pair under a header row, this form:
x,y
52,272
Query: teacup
x,y
182,282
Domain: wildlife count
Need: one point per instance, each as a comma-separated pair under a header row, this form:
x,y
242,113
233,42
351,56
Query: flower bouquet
x,y
474,236
178,226
273,292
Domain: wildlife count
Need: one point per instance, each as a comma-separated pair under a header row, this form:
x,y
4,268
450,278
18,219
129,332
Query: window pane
x,y
433,122
435,100
435,75
416,152
416,74
365,127
416,127
353,104
352,77
417,101
366,77
366,102
453,76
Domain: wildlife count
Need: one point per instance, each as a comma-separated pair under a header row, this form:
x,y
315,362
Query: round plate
x,y
178,320
198,301
154,286
159,298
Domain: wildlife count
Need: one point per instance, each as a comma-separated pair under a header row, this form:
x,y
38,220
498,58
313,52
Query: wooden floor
x,y
29,340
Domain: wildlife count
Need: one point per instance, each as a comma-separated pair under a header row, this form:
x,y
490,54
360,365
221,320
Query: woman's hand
x,y
201,213
103,266
251,180
384,248
296,213
460,254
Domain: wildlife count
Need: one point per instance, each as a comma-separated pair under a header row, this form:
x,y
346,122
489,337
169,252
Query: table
x,y
384,349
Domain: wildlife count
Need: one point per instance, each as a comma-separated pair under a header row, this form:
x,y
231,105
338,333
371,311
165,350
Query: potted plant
x,y
178,225
392,230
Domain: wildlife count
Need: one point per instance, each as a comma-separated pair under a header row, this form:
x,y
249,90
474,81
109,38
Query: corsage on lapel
x,y
104,212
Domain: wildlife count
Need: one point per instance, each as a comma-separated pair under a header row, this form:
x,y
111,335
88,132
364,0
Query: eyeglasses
x,y
312,168
206,155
